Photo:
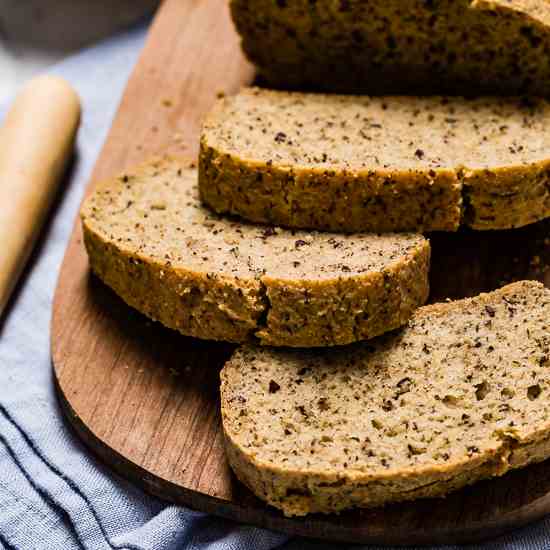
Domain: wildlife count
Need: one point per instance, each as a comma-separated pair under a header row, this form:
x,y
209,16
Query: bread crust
x,y
430,186
312,489
322,493
244,288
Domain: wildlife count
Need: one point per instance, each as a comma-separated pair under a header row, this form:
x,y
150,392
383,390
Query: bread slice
x,y
152,242
391,46
461,394
349,163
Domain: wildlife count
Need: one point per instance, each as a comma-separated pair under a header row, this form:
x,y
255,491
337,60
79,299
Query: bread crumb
x,y
179,140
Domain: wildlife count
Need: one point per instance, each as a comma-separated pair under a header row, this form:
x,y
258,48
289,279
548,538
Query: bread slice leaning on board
x,y
151,241
399,46
358,163
461,394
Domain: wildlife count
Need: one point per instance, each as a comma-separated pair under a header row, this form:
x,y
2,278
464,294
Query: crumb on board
x,y
179,140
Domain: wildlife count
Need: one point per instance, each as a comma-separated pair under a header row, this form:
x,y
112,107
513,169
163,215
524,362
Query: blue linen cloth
x,y
53,494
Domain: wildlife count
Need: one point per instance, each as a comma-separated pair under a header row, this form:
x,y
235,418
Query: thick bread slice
x,y
377,164
399,46
149,239
461,394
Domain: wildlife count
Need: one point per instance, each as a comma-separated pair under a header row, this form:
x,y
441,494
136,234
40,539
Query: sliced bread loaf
x,y
397,46
150,240
354,163
461,394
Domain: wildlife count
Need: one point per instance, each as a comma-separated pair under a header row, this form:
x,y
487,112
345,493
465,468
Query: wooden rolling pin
x,y
36,142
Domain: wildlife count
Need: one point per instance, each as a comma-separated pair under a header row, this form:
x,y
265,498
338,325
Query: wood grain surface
x,y
145,399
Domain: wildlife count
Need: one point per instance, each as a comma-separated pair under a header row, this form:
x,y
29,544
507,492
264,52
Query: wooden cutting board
x,y
145,399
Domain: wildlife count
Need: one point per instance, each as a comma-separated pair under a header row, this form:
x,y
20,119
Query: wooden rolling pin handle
x,y
36,142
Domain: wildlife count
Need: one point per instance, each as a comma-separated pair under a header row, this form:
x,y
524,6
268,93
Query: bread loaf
x,y
399,46
349,163
460,394
152,242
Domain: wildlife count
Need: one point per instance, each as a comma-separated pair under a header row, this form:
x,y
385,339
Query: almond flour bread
x,y
461,394
349,163
399,46
152,242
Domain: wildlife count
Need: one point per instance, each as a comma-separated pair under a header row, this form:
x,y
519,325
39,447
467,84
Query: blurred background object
x,y
36,33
